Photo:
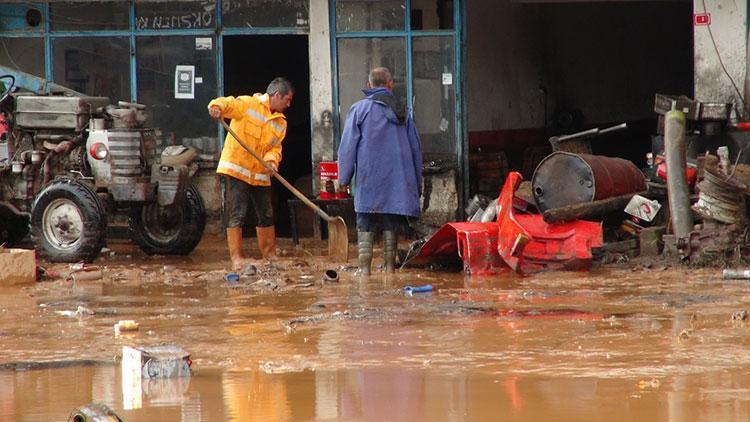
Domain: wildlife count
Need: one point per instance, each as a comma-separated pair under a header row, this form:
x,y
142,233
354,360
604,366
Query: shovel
x,y
338,236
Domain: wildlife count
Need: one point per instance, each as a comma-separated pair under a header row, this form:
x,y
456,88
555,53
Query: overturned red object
x,y
521,242
527,244
473,243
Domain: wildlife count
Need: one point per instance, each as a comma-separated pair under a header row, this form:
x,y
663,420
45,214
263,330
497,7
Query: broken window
x,y
430,15
265,13
21,17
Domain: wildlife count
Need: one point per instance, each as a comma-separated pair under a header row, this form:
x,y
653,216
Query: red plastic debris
x,y
527,244
521,242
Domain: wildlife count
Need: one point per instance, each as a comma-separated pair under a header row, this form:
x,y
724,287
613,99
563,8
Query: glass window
x,y
431,14
265,13
24,54
370,15
358,56
160,14
93,65
21,17
181,120
434,94
88,15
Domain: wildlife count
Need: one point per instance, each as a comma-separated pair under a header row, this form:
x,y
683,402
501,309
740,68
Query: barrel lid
x,y
562,179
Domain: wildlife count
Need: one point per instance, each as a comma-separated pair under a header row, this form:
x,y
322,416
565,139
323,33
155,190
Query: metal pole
x,y
677,185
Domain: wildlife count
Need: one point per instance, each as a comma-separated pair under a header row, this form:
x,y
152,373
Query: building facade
x,y
489,80
136,51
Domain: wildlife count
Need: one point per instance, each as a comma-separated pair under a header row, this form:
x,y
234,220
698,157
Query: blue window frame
x,y
72,35
424,59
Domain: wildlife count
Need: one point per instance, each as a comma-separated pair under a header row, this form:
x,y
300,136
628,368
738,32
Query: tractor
x,y
70,163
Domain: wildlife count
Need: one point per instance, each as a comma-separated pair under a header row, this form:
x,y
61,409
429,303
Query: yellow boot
x,y
267,241
234,241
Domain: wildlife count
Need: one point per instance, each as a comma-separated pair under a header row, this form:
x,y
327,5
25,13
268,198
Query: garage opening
x,y
554,68
250,63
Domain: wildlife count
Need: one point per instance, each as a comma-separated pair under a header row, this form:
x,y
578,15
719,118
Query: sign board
x,y
184,81
700,19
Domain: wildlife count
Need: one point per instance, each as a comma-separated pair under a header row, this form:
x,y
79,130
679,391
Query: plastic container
x,y
409,290
329,179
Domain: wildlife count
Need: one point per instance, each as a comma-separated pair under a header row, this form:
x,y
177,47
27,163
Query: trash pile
x,y
687,204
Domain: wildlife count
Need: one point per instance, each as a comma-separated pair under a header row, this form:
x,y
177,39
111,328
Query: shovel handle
x,y
276,174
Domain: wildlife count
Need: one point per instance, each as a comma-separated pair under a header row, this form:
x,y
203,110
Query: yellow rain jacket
x,y
260,129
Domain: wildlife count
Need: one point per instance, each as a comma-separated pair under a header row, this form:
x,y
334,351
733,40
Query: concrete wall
x,y
321,81
729,29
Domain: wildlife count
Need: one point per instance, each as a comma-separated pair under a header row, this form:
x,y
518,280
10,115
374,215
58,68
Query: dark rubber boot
x,y
364,245
389,251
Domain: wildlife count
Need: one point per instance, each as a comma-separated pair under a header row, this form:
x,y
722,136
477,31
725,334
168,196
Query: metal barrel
x,y
564,179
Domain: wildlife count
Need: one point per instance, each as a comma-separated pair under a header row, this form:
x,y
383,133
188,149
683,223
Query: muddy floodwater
x,y
634,342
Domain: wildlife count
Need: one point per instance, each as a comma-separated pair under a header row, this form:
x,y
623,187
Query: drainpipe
x,y
677,186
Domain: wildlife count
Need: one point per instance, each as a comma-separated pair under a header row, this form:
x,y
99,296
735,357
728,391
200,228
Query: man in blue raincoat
x,y
380,144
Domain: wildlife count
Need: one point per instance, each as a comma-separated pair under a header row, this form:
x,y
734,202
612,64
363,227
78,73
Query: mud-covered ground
x,y
636,341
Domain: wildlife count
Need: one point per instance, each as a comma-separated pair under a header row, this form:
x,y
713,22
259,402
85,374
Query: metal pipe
x,y
677,184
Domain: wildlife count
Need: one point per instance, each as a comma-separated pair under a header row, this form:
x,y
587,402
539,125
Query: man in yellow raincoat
x,y
259,120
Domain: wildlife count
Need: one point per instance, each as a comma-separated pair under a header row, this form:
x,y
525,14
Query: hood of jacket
x,y
396,111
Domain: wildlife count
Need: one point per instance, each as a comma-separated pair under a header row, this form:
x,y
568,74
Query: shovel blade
x,y
338,240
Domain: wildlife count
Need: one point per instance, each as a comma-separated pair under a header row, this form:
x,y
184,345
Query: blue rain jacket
x,y
385,155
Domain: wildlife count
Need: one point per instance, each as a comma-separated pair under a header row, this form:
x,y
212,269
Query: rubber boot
x,y
389,251
364,246
234,241
267,241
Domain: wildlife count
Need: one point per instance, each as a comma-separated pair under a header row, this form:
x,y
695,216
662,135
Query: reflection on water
x,y
375,395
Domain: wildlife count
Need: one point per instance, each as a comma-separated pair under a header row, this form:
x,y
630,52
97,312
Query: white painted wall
x,y
729,29
321,88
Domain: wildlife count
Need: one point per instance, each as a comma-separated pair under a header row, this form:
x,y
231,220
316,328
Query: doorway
x,y
250,63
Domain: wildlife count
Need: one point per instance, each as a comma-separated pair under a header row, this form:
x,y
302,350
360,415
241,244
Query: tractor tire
x,y
14,226
172,230
68,222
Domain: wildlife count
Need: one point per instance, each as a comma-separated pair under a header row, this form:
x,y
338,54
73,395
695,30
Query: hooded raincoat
x,y
385,154
260,129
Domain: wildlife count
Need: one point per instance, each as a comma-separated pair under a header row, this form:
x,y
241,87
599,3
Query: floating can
x,y
564,178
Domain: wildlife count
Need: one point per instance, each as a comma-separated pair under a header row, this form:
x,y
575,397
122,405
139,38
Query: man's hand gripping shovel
x,y
338,236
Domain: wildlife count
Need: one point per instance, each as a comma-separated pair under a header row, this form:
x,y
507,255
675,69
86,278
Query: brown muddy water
x,y
636,342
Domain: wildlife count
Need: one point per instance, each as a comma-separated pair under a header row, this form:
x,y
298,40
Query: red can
x,y
329,179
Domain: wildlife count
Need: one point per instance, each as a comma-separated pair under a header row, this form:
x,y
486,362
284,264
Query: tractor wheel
x,y
172,230
68,222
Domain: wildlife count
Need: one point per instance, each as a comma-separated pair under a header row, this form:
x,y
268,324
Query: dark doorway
x,y
250,63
